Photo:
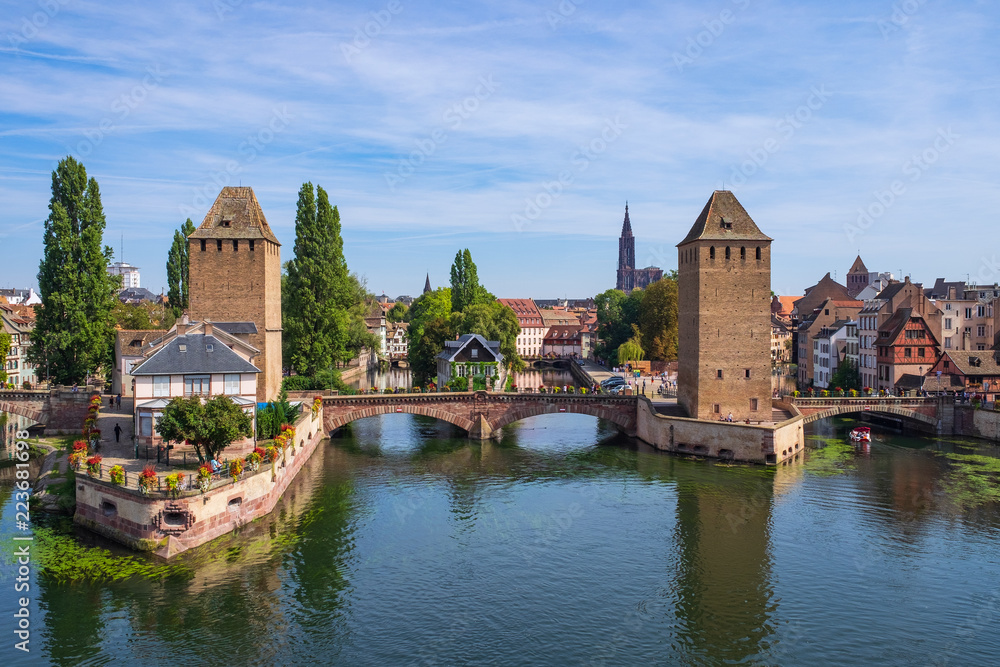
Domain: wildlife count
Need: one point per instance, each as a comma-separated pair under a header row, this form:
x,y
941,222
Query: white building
x,y
533,329
193,360
129,273
396,341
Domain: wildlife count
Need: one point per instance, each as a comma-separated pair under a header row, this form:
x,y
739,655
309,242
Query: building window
x,y
145,424
251,245
460,371
718,374
197,385
981,330
947,343
746,372
232,384
758,252
727,252
161,385
908,352
753,405
947,323
716,408
203,245
947,306
968,313
711,252
236,245
218,245
980,311
743,252
474,353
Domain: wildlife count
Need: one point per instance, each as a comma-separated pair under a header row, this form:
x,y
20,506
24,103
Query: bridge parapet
x,y
933,412
480,413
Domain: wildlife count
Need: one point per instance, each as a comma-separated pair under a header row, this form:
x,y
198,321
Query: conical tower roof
x,y
724,219
236,214
858,266
427,284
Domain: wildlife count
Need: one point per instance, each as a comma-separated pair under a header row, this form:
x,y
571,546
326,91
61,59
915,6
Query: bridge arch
x,y
27,411
334,421
888,410
624,422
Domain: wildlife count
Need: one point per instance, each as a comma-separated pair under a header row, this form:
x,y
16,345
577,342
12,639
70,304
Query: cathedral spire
x,y
427,284
627,225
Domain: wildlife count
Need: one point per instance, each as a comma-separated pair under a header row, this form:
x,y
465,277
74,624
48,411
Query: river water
x,y
562,543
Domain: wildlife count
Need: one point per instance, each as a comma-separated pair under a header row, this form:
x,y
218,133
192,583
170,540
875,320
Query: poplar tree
x,y
178,268
73,333
318,291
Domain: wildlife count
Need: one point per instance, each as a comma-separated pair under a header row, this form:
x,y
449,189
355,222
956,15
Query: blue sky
x,y
517,129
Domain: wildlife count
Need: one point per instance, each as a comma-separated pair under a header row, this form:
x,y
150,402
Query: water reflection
x,y
564,542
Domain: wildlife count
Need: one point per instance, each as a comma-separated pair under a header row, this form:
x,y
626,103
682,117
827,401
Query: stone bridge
x,y
480,413
59,410
932,413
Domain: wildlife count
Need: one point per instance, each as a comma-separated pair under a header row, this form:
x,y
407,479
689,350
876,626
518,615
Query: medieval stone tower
x,y
235,275
724,315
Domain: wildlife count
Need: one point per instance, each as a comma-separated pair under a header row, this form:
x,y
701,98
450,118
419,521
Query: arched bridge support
x,y
480,414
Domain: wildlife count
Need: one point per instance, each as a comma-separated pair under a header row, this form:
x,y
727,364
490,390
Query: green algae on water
x,y
972,479
835,458
62,559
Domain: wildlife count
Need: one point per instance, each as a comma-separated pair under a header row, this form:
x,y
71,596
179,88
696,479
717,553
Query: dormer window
x,y
226,223
725,224
474,353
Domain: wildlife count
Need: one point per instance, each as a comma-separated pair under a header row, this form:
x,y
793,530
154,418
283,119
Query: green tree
x,y
210,427
178,269
616,314
628,351
658,320
493,321
430,326
396,313
5,342
846,376
73,330
465,287
318,287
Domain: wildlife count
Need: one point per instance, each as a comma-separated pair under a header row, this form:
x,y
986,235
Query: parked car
x,y
614,379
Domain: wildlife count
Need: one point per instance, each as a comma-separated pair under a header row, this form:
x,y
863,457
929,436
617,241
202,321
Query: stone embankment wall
x,y
61,410
170,526
724,440
977,423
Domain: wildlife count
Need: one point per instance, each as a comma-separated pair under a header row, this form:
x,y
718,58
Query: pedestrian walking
x,y
118,401
644,386
118,432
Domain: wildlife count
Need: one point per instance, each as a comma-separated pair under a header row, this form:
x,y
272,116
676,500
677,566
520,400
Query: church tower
x,y
235,275
626,257
724,314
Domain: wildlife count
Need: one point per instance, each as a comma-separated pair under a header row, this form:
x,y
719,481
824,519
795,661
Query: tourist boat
x,y
861,434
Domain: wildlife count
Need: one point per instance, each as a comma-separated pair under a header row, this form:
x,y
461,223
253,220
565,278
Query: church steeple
x,y
427,284
626,257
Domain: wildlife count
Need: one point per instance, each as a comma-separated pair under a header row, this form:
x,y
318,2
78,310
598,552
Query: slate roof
x,y
940,289
236,214
724,219
170,360
453,347
234,328
135,294
858,266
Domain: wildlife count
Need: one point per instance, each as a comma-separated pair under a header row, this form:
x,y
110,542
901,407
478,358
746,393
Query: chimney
x,y
181,328
208,330
184,318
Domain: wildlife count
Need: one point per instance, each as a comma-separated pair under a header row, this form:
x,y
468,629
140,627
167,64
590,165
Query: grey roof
x,y
234,328
453,347
170,360
135,294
